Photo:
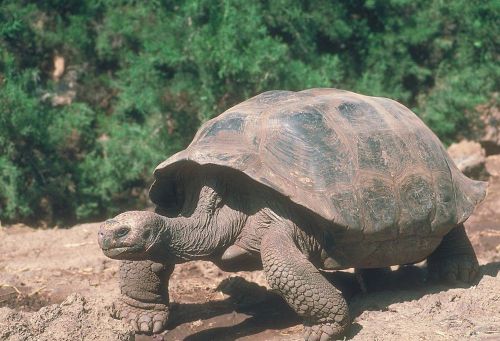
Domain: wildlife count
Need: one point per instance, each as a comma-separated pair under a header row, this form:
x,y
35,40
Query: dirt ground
x,y
57,285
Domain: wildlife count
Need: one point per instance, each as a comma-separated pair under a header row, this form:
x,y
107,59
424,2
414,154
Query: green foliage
x,y
141,76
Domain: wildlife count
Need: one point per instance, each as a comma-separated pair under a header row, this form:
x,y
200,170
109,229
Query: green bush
x,y
140,77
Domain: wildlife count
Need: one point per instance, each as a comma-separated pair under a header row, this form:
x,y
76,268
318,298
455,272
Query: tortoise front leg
x,y
144,295
288,271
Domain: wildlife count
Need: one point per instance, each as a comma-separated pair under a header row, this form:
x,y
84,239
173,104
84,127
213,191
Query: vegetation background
x,y
93,94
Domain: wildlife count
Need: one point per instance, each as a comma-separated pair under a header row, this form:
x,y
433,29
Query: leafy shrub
x,y
141,76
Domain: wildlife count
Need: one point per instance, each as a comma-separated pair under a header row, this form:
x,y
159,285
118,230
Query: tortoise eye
x,y
121,232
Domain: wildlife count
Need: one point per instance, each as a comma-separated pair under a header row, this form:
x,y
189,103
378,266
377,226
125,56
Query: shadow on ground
x,y
251,309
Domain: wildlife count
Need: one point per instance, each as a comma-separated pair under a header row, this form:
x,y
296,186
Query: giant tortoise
x,y
297,182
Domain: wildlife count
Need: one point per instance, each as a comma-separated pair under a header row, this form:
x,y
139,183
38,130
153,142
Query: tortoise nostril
x,y
121,232
100,237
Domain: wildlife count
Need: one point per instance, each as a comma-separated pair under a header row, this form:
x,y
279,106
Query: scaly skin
x,y
288,271
144,301
454,260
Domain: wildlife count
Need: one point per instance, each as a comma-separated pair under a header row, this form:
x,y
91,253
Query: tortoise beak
x,y
113,236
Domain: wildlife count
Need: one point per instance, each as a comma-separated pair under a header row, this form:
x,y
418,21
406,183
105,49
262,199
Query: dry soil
x,y
56,285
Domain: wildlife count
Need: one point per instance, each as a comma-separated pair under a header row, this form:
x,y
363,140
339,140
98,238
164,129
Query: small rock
x,y
70,299
469,157
493,165
490,127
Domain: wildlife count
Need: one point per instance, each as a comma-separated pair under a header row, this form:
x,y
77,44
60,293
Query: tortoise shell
x,y
364,163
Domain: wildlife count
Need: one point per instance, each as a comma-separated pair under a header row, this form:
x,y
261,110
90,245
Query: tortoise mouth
x,y
123,252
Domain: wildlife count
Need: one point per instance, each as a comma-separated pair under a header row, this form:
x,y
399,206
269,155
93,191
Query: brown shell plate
x,y
364,163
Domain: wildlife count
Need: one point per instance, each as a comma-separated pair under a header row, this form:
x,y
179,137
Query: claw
x,y
157,327
133,323
144,327
142,320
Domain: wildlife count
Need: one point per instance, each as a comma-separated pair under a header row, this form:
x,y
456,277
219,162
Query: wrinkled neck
x,y
202,235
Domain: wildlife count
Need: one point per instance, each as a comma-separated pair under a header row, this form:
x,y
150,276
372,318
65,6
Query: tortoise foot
x,y
458,268
323,332
151,319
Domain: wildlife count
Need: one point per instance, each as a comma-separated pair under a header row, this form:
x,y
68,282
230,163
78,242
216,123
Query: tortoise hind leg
x,y
289,272
454,260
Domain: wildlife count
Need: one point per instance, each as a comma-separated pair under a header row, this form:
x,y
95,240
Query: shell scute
x,y
362,115
348,208
430,152
416,193
380,208
233,124
304,147
446,211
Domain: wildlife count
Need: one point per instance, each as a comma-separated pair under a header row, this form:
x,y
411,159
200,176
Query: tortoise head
x,y
131,235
